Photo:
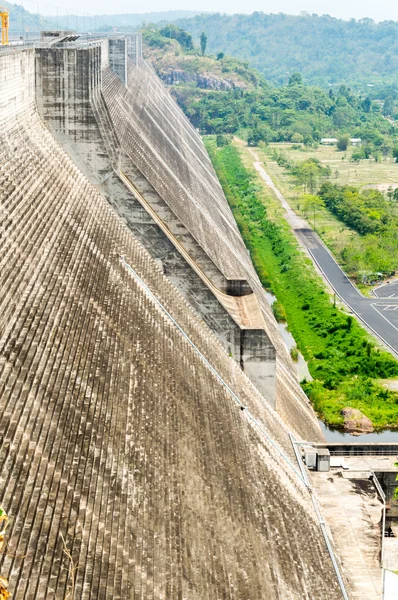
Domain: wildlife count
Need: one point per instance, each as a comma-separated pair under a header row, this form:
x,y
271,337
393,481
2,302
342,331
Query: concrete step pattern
x,y
113,431
164,146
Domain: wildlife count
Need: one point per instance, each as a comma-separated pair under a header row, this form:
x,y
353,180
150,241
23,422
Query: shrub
x,y
279,312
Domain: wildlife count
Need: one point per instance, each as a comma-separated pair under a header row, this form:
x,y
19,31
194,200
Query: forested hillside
x,y
324,49
224,95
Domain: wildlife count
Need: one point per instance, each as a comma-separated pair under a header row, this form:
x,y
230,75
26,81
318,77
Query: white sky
x,y
379,10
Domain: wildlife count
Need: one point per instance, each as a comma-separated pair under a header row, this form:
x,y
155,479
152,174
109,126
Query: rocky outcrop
x,y
202,80
356,422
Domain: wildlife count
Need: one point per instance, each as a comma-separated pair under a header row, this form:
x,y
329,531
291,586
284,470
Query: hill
x,y
221,94
324,49
177,62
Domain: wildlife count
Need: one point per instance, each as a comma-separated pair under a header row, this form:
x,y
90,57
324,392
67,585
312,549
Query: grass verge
x,y
343,360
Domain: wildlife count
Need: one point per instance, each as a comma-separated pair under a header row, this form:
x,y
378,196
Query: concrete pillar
x,y
118,57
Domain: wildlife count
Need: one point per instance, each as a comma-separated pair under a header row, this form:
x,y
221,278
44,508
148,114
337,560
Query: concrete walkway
x,y
352,511
390,586
380,315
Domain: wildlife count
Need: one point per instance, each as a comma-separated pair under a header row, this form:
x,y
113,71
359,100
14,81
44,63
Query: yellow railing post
x,y
4,25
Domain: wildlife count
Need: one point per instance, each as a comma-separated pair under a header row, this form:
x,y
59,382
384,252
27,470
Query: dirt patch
x,y
390,384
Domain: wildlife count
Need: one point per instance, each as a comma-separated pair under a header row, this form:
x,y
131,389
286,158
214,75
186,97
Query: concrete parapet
x,y
17,87
118,57
134,47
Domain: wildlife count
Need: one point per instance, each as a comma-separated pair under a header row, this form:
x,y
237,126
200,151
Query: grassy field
x,y
342,358
345,172
334,233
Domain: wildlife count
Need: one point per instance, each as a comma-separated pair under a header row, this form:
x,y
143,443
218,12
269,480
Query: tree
x,y
309,173
389,106
297,138
313,204
343,142
367,104
254,137
296,79
203,43
223,140
220,55
357,155
174,32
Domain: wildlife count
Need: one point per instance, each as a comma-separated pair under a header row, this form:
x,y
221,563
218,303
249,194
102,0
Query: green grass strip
x,y
342,358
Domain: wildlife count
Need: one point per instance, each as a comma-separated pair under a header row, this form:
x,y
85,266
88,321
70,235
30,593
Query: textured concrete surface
x,y
353,511
160,142
78,116
84,124
113,432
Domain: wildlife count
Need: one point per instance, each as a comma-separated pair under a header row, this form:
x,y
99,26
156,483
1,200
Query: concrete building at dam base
x,y
148,402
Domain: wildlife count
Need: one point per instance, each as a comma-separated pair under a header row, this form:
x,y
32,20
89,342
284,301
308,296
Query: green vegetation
x,y
279,312
172,32
343,361
359,226
171,50
295,113
325,50
203,43
224,95
376,220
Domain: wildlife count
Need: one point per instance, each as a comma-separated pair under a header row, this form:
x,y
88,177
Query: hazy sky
x,y
378,10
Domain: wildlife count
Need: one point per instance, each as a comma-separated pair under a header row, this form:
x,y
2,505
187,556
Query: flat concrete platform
x,y
391,553
353,512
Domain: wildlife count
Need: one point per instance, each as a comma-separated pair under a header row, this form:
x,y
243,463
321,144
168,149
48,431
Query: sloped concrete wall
x,y
17,87
114,435
140,130
70,101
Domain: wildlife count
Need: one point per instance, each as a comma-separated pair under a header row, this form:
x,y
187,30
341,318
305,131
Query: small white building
x,y
328,141
333,141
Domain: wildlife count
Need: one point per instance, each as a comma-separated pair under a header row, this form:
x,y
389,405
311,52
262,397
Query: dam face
x,y
120,438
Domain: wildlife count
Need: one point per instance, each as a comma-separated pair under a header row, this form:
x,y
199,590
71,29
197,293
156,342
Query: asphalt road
x,y
379,314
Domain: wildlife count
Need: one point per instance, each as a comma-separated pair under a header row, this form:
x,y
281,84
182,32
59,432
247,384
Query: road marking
x,y
392,325
377,334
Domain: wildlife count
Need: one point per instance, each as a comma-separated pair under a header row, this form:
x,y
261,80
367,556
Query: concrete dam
x,y
147,398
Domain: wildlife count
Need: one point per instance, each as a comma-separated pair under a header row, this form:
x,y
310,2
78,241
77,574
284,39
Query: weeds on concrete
x,y
72,568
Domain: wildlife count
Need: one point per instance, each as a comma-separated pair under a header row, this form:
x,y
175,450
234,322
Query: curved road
x,y
379,314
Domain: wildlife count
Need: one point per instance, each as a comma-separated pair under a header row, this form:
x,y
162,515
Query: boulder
x,y
356,422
